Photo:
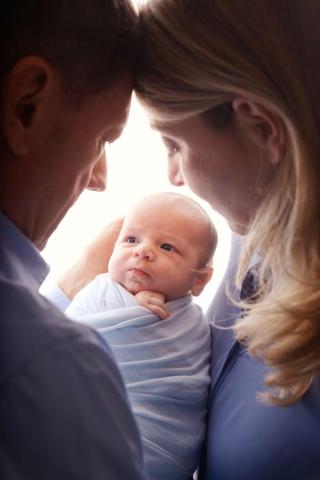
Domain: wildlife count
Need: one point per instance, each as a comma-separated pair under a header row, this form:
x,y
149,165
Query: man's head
x,y
66,79
166,244
90,42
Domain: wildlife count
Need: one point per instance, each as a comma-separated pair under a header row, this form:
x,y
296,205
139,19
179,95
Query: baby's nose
x,y
144,251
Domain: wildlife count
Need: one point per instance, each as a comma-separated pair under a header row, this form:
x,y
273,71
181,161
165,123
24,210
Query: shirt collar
x,y
19,259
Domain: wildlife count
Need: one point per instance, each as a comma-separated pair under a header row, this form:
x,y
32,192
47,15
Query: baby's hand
x,y
153,301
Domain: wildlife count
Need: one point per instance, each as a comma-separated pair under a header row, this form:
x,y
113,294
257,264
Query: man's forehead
x,y
115,106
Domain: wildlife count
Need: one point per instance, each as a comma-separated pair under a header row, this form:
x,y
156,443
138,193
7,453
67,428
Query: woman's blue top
x,y
248,440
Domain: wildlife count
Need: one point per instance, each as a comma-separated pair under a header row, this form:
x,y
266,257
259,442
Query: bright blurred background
x,y
137,166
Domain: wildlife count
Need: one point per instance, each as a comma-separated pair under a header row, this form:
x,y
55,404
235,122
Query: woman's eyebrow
x,y
160,127
156,126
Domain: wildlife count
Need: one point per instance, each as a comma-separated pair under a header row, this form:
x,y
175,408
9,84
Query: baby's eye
x,y
167,247
131,239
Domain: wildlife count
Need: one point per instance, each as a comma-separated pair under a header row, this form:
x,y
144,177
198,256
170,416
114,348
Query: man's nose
x,y
144,252
174,173
98,180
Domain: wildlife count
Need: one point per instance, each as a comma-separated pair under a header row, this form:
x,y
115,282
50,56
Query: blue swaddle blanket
x,y
165,366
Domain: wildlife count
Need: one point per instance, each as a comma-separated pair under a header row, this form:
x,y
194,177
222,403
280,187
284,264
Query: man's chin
x,y
41,244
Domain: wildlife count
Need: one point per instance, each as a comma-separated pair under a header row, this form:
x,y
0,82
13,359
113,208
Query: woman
x,y
233,89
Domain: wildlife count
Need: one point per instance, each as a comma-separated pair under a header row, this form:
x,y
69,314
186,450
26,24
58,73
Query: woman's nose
x,y
144,252
174,173
99,174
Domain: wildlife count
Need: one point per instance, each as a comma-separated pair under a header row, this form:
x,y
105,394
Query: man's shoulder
x,y
61,396
32,328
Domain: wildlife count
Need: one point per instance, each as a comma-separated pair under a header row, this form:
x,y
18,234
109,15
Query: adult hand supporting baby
x,y
153,301
93,261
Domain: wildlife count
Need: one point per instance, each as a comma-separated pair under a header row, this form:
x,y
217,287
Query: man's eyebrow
x,y
115,132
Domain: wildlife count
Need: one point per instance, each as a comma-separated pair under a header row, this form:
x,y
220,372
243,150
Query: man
x,y
65,79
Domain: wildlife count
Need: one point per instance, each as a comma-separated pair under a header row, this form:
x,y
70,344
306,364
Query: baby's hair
x,y
208,236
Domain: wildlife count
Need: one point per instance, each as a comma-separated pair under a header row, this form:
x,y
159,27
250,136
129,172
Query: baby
x,y
162,257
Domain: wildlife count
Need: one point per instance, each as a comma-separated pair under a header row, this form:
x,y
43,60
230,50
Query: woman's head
x,y
200,56
245,75
230,167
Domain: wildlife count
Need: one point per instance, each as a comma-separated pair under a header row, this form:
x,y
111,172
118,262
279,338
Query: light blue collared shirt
x,y
64,412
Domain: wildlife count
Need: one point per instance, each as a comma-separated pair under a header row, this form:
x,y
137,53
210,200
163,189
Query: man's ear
x,y
28,88
264,127
202,278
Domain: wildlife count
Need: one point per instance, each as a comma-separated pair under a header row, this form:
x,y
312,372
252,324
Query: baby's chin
x,y
136,281
135,286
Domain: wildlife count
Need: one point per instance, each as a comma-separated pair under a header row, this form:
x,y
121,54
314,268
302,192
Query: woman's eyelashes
x,y
171,146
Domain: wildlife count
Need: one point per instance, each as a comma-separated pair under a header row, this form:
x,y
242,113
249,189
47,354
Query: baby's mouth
x,y
138,272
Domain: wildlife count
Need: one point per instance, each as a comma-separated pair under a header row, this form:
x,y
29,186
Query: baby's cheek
x,y
114,269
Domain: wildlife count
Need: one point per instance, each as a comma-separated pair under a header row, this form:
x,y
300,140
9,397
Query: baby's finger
x,y
159,311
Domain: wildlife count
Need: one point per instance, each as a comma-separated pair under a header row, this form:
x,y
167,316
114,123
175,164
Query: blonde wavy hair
x,y
199,54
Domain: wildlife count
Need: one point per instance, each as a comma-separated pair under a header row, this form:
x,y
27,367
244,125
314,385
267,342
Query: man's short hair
x,y
90,41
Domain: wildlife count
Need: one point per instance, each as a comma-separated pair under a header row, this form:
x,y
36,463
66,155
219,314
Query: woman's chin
x,y
238,228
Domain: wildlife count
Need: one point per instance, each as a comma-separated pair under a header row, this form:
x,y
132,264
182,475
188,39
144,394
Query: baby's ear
x,y
202,278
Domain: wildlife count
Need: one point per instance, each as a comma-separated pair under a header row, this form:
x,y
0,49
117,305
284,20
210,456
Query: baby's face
x,y
157,250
